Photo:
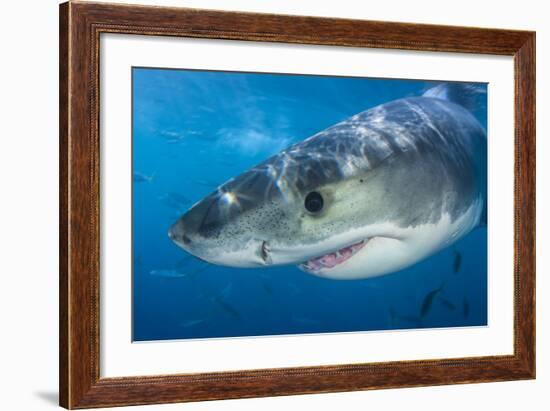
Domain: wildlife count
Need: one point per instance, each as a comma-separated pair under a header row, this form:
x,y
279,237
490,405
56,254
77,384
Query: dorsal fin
x,y
467,95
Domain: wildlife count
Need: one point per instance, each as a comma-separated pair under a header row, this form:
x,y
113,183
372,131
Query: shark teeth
x,y
333,259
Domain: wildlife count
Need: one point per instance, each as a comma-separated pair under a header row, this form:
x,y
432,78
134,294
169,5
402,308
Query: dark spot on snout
x,y
265,253
177,233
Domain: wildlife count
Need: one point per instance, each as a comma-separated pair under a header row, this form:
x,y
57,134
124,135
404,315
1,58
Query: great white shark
x,y
371,195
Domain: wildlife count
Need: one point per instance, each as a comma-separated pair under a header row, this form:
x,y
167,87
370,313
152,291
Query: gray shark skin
x,y
396,183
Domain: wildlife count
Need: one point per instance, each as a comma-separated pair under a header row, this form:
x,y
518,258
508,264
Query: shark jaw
x,y
332,259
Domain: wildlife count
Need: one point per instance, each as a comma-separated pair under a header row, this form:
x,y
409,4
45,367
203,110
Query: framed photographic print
x,y
256,205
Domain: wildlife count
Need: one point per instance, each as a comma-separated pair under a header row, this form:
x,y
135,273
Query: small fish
x,y
466,308
175,201
169,273
428,301
457,262
206,108
172,136
226,291
142,178
267,288
191,323
228,308
169,134
447,304
174,141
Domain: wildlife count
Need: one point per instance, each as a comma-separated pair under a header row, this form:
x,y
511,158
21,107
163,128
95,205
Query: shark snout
x,y
178,234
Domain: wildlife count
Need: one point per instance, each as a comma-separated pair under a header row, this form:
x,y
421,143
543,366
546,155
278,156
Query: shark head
x,y
287,210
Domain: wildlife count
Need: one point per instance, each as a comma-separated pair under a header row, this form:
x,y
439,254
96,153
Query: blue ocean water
x,y
193,130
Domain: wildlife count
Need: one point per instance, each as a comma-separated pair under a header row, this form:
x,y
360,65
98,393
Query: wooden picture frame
x,y
81,24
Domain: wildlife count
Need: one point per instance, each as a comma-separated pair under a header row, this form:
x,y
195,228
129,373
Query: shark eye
x,y
314,202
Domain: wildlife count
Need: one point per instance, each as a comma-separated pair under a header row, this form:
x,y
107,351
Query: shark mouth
x,y
333,259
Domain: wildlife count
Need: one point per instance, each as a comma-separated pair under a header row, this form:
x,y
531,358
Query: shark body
x,y
371,195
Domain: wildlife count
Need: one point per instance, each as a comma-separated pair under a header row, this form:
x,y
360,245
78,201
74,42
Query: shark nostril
x,y
185,239
265,252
